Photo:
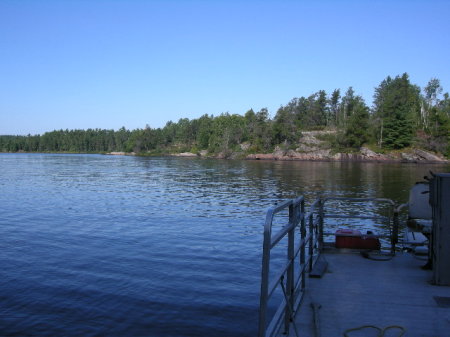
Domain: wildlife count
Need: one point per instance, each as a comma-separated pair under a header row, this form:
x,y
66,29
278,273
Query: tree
x,y
347,106
320,110
311,112
431,92
284,128
258,129
334,108
263,130
357,129
437,135
227,132
397,107
204,131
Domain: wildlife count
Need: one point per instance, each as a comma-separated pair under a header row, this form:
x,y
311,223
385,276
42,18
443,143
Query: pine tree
x,y
397,107
357,127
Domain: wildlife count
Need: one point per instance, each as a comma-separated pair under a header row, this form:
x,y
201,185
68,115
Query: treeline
x,y
86,141
402,115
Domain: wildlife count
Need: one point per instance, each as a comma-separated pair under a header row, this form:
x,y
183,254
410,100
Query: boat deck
x,y
357,292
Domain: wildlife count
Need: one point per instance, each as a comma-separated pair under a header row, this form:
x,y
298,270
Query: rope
x,y
380,257
381,332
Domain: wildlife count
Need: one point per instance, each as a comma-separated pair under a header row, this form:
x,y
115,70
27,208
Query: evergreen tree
x,y
397,106
204,131
346,109
284,128
357,127
334,107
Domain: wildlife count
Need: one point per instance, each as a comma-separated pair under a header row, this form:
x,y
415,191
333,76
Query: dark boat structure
x,y
324,276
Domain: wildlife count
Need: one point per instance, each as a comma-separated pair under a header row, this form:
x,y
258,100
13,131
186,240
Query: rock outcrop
x,y
364,155
185,154
312,148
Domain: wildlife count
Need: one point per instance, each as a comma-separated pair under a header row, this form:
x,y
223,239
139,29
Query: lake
x,y
94,245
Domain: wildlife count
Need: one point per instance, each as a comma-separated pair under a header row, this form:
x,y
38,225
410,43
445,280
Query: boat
x,y
318,279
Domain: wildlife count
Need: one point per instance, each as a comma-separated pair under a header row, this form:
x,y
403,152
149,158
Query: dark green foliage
x,y
259,130
438,137
347,106
87,141
228,131
315,114
440,132
204,131
400,117
434,134
333,119
397,108
319,109
357,127
284,127
304,113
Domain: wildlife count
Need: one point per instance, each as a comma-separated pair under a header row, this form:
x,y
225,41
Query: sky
x,y
111,64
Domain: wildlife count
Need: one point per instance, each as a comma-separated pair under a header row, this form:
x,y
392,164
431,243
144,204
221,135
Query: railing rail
x,y
301,255
392,220
291,277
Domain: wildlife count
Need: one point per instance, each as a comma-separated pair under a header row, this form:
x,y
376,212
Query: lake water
x,y
94,245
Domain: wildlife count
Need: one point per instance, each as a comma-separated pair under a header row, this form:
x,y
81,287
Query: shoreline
x,y
288,156
387,161
365,155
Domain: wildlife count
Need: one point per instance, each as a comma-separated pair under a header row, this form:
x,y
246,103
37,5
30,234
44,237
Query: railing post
x,y
311,240
287,278
321,217
302,238
290,271
265,275
395,225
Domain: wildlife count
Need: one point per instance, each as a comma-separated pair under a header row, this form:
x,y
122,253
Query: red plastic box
x,y
352,238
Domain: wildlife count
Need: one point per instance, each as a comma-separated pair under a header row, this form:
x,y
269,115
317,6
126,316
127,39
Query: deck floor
x,y
355,292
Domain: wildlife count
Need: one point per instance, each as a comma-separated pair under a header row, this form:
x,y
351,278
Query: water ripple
x,y
124,246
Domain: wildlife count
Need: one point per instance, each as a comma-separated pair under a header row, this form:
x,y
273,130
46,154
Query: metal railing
x,y
290,279
391,220
301,255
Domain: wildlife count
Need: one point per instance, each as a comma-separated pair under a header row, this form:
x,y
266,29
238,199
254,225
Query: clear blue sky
x,y
108,64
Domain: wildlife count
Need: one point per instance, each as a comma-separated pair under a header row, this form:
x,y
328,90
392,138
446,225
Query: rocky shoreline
x,y
311,148
365,155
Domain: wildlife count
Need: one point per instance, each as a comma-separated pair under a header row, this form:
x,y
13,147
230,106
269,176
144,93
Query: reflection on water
x,y
100,245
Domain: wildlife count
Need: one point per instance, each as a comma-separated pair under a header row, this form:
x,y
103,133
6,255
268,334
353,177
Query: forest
x,y
402,115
